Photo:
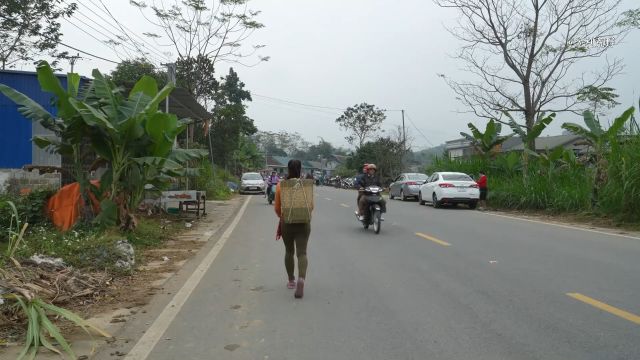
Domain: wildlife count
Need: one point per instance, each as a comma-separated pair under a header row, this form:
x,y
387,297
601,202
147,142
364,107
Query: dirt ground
x,y
124,295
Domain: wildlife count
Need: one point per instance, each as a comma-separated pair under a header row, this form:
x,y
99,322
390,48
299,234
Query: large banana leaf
x,y
592,123
619,123
183,155
28,107
163,129
136,104
155,101
106,92
146,85
50,83
581,131
90,115
539,126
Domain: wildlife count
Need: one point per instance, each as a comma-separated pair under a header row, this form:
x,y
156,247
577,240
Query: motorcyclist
x,y
370,179
274,179
357,184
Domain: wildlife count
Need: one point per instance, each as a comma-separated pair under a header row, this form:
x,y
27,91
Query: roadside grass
x,y
89,247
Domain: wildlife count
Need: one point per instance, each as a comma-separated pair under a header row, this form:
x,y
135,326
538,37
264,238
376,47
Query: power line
x,y
310,105
89,54
418,130
298,103
117,36
121,27
94,37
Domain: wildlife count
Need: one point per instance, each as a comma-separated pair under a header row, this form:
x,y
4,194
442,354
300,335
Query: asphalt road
x,y
435,284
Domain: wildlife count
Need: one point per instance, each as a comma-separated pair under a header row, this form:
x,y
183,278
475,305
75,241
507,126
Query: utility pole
x,y
404,140
404,133
171,79
73,59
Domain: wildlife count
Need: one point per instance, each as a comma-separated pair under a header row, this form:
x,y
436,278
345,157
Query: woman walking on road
x,y
294,235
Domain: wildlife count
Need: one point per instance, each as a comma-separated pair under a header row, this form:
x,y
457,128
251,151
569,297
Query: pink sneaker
x,y
299,289
291,284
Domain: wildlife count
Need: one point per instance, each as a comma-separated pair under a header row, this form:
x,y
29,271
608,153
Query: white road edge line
x,y
563,226
148,341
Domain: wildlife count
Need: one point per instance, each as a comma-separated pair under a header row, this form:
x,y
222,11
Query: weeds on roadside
x,y
41,329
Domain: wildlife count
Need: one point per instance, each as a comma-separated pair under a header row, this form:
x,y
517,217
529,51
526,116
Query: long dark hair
x,y
295,168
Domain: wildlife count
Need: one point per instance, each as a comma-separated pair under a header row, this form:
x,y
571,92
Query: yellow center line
x,y
344,205
431,238
605,307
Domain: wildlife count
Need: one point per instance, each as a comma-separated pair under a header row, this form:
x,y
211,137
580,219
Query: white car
x,y
449,188
252,183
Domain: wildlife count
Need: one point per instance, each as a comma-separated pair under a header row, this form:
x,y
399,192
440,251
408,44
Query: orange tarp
x,y
64,207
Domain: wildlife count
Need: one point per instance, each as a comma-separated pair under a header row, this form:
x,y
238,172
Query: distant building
x,y
322,167
463,148
16,148
459,148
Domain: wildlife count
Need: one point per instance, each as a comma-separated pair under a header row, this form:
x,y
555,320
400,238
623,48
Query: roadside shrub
x,y
620,196
215,184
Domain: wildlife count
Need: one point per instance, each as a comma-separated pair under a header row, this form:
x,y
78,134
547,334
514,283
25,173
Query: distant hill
x,y
424,157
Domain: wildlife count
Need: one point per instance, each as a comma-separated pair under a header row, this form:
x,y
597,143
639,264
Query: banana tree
x,y
136,140
529,135
551,158
486,143
600,139
127,132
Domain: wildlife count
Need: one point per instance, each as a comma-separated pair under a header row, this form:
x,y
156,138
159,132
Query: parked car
x,y
407,185
449,188
252,183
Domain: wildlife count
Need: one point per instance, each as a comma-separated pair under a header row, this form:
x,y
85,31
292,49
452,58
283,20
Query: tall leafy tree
x,y
385,152
128,72
598,98
362,121
230,121
197,76
30,29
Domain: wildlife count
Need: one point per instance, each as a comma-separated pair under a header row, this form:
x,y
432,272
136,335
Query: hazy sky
x,y
337,53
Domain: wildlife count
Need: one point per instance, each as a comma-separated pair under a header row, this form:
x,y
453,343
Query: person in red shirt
x,y
482,184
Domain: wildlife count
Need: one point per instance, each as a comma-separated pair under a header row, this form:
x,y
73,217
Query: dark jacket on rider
x,y
368,180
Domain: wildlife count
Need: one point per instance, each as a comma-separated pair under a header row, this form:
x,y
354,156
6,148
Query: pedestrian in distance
x,y
482,185
295,236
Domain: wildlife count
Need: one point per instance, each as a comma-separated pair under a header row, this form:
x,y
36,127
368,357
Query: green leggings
x,y
295,238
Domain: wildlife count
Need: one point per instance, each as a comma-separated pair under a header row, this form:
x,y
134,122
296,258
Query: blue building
x,y
16,149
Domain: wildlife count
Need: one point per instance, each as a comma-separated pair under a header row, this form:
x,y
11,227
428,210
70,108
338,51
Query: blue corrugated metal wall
x,y
16,130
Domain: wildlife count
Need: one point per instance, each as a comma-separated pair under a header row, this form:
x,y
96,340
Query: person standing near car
x,y
294,236
482,185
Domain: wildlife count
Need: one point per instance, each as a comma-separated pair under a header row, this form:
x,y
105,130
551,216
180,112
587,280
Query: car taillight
x,y
445,185
475,186
412,183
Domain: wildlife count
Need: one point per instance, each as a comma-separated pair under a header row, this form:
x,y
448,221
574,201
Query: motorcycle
x,y
272,193
373,216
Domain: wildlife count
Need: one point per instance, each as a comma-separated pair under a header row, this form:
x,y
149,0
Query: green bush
x,y
620,196
30,207
215,183
563,188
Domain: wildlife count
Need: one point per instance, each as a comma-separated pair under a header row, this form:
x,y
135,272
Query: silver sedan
x,y
407,185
